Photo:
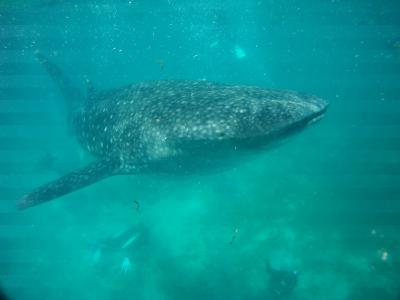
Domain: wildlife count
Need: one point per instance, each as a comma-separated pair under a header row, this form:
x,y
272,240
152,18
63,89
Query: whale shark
x,y
175,127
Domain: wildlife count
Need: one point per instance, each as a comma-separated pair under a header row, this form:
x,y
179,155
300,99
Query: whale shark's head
x,y
274,116
288,111
248,119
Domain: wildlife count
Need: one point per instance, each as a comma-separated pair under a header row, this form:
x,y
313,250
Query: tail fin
x,y
73,96
90,174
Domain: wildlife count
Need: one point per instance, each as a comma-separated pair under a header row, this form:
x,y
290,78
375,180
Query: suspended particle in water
x,y
214,44
239,52
383,255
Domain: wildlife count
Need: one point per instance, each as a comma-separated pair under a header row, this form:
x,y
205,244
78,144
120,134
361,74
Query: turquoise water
x,y
324,205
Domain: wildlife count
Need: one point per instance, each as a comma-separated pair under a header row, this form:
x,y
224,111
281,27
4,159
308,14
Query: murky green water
x,y
322,210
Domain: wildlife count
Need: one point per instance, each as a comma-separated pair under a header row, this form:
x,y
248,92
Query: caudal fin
x,y
73,181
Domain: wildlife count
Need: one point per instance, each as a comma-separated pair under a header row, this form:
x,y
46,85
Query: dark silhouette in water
x,y
121,248
173,127
120,241
281,283
3,295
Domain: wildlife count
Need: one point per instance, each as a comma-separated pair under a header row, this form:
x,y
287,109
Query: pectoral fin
x,y
73,181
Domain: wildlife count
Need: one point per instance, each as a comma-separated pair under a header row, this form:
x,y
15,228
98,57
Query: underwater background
x,y
317,218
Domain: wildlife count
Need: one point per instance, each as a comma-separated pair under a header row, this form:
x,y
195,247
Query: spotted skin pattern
x,y
153,122
178,128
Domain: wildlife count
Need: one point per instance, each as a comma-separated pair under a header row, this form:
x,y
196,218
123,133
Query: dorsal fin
x,y
72,95
71,182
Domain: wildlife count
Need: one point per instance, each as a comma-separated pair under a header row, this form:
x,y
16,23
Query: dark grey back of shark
x,y
178,128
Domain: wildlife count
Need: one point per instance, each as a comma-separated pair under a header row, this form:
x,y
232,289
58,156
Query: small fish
x,y
137,204
161,63
234,236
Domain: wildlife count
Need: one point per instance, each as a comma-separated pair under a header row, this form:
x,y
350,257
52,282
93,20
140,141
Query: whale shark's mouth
x,y
318,108
316,119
